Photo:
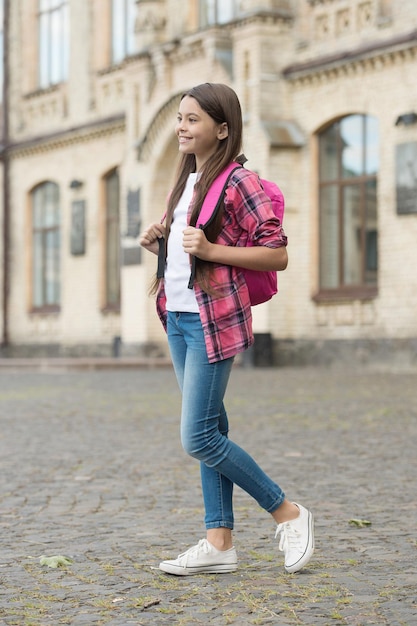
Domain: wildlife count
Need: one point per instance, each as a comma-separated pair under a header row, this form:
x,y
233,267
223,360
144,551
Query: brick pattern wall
x,y
122,116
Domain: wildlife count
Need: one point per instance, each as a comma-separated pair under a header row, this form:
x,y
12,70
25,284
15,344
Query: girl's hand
x,y
149,238
195,242
259,258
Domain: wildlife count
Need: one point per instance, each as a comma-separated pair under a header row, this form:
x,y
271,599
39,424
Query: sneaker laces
x,y
290,536
202,546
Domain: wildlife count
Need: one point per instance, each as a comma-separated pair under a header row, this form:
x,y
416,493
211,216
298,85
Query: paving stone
x,y
91,467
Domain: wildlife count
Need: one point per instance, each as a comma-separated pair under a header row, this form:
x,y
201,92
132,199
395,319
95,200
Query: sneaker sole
x,y
169,568
304,559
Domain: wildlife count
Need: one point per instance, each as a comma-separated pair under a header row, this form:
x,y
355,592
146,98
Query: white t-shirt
x,y
178,269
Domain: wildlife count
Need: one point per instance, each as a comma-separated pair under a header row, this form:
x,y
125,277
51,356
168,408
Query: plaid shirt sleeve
x,y
227,318
249,214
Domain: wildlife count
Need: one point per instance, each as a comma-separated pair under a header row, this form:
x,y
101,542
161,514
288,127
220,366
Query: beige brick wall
x,y
383,89
81,319
1,250
250,55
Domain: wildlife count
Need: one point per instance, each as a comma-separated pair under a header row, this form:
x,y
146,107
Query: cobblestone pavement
x,y
91,468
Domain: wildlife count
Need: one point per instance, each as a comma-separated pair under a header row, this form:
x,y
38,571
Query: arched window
x,y
348,170
112,241
46,247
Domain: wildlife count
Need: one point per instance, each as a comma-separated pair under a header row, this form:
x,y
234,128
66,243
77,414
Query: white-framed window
x,y
53,42
46,247
123,18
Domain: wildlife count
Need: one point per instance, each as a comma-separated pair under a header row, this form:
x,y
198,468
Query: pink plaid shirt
x,y
227,318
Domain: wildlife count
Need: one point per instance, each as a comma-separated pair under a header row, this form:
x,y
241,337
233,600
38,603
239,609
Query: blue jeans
x,y
204,426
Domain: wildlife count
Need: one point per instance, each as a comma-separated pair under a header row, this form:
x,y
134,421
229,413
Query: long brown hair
x,y
221,103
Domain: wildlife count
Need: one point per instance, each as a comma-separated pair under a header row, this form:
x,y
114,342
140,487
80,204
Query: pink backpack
x,y
262,285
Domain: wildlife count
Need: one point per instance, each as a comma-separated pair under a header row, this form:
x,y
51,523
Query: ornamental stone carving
x,y
150,22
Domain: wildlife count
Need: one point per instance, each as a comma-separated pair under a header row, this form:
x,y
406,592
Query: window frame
x,y
341,181
127,38
42,232
53,49
205,7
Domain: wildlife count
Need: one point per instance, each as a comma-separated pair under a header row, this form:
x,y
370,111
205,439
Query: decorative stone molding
x,y
150,22
43,109
109,93
266,5
344,21
365,15
359,60
72,136
163,117
335,18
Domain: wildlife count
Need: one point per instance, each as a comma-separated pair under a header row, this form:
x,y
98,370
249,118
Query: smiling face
x,y
197,132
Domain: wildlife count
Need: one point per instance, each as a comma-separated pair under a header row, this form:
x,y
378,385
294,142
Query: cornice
x,y
375,54
70,136
264,17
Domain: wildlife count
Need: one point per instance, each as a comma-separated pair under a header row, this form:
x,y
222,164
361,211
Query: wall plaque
x,y
133,213
78,227
406,177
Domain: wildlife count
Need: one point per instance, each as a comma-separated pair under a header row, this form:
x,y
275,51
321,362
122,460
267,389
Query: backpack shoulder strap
x,y
215,194
210,205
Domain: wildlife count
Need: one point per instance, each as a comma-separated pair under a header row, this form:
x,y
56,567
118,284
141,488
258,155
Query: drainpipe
x,y
6,178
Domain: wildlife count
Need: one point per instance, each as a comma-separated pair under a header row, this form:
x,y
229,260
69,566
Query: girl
x,y
208,324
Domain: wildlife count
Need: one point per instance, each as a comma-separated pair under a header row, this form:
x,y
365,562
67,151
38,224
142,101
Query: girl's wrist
x,y
211,253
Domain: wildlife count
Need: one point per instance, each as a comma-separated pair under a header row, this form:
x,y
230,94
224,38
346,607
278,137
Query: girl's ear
x,y
223,131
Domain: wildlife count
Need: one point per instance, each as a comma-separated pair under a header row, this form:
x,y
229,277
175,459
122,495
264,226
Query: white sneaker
x,y
202,559
297,540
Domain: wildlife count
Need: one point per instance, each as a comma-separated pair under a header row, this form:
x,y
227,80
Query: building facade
x,y
91,91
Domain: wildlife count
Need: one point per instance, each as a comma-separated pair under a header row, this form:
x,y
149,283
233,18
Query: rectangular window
x,y
123,29
217,12
53,42
46,247
112,253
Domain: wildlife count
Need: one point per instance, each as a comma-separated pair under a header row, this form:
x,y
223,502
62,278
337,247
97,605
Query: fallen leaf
x,y
55,561
360,523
